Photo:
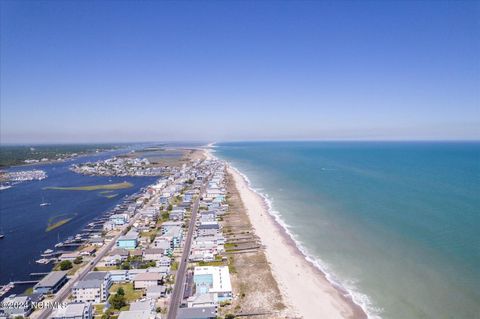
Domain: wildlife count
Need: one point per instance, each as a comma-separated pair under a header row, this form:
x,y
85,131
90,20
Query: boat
x,y
2,187
48,251
2,236
44,203
6,288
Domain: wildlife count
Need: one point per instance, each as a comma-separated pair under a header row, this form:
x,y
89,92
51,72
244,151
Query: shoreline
x,y
305,288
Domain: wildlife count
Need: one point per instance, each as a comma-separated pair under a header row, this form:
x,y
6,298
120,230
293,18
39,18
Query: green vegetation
x,y
28,291
148,264
93,187
231,266
60,223
105,268
149,234
129,293
118,301
17,154
174,265
78,260
65,265
230,245
165,216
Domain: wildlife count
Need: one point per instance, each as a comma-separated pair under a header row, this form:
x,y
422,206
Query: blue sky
x,y
213,70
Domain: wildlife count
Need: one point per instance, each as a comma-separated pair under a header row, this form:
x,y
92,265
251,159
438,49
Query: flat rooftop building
x,y
51,283
74,311
214,280
197,313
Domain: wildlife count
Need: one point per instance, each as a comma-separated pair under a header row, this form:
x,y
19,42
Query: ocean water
x,y
396,224
24,221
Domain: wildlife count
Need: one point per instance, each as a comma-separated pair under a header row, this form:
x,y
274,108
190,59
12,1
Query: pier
x,y
25,282
55,253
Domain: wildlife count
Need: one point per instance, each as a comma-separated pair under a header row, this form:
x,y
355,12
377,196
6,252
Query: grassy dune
x,y
93,187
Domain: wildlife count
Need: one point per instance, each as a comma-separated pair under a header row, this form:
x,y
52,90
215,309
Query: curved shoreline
x,y
340,298
305,287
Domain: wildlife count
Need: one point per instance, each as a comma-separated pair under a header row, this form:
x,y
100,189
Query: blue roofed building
x,y
128,241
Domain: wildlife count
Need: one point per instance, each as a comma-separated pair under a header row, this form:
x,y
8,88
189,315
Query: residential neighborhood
x,y
161,254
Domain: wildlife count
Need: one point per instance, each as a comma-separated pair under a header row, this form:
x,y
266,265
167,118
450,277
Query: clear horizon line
x,y
238,141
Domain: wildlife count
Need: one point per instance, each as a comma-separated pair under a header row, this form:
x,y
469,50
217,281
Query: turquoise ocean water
x,y
396,224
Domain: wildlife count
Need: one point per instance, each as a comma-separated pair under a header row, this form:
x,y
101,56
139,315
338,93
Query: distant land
x,y
92,187
12,155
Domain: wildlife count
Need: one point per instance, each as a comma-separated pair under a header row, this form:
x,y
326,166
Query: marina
x,y
20,215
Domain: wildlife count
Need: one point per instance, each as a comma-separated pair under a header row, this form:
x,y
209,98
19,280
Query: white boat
x,y
2,187
44,203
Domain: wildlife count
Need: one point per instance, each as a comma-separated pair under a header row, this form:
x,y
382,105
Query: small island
x,y
57,224
115,186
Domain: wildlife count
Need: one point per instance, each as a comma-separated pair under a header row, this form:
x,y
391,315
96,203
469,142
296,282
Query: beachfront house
x,y
211,193
51,283
208,228
93,287
214,280
203,300
197,313
128,241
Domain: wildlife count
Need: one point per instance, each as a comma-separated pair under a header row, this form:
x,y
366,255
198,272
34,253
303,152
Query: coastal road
x,y
177,293
66,289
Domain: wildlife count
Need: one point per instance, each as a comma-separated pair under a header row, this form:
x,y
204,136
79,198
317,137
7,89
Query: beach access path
x,y
304,288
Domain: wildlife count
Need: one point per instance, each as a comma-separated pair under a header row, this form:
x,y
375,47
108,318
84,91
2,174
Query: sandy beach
x,y
304,288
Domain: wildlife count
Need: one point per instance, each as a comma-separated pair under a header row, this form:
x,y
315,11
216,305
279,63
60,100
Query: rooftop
x,y
196,312
51,279
220,277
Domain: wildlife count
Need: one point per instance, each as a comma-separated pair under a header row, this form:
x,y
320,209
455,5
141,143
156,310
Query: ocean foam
x,y
349,288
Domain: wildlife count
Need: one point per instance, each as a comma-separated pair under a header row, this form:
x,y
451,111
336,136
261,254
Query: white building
x,y
93,288
214,280
74,311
